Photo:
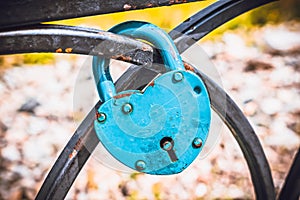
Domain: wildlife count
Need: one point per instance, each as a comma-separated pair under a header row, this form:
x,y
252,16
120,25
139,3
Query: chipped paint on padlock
x,y
166,109
154,130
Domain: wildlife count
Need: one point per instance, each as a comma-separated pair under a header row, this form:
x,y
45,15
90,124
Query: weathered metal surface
x,y
157,126
70,161
245,136
84,40
66,39
24,12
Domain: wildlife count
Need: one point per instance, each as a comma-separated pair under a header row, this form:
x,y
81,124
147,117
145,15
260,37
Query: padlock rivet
x,y
140,165
127,108
197,143
101,117
178,76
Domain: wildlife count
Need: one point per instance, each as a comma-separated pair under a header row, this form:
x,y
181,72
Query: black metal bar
x,y
291,187
238,124
70,161
208,19
24,12
244,134
65,172
80,146
67,39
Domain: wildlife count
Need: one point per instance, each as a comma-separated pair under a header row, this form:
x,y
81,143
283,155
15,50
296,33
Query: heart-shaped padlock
x,y
161,129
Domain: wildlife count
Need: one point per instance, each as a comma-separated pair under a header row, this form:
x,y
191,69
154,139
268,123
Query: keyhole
x,y
167,144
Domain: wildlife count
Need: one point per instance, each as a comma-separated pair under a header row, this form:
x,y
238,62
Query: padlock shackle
x,y
105,85
139,30
157,37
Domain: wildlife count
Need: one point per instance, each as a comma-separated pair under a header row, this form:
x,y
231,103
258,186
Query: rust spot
x,y
119,96
180,1
177,1
188,67
122,58
149,5
72,154
59,50
68,50
97,115
151,84
127,7
78,145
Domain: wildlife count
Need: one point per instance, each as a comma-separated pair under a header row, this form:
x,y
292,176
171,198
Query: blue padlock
x,y
161,129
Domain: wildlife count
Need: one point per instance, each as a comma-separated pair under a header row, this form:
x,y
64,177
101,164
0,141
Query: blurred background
x,y
258,58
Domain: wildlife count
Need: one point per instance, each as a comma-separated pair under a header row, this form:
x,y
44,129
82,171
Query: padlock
x,y
161,129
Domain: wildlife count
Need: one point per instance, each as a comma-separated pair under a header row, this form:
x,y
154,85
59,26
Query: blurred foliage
x,y
30,59
39,58
156,190
171,16
270,14
276,12
11,60
134,175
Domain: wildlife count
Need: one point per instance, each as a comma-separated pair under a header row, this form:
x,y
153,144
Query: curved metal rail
x,y
24,12
68,39
208,19
75,154
244,134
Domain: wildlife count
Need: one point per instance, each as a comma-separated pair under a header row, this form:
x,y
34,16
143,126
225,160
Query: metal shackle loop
x,y
138,30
